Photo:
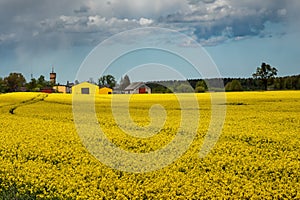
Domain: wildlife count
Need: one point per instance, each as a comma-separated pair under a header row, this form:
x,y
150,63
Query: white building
x,y
137,88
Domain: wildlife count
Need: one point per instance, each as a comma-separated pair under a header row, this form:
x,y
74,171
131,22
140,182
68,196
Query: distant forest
x,y
231,84
263,79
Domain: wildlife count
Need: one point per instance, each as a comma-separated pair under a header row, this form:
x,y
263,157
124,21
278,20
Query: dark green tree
x,y
265,73
14,82
298,83
41,82
3,87
107,81
234,85
277,84
32,85
289,83
201,86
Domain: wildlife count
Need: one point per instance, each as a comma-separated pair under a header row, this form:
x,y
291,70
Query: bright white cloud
x,y
144,21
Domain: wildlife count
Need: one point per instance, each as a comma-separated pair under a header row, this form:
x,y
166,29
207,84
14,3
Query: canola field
x,y
256,157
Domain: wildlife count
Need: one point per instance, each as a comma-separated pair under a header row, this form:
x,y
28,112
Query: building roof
x,y
135,85
105,88
86,84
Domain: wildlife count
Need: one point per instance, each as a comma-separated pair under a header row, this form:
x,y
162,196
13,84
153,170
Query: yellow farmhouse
x,y
85,88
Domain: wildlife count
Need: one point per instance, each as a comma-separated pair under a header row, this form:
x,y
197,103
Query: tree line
x,y
252,84
230,84
263,79
16,82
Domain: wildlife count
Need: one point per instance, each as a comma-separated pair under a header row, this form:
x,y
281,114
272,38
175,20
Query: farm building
x,y
137,88
85,88
60,88
63,88
105,90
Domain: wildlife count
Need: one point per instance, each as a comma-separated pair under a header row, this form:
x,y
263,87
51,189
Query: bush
x,y
200,89
234,85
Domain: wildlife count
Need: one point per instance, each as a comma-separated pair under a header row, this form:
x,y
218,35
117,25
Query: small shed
x,y
137,88
60,88
105,90
85,88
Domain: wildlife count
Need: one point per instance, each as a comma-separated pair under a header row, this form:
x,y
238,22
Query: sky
x,y
238,35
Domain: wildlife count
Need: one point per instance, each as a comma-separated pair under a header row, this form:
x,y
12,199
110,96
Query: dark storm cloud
x,y
56,23
198,1
229,19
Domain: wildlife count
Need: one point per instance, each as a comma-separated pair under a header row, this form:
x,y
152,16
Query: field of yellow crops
x,y
256,157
